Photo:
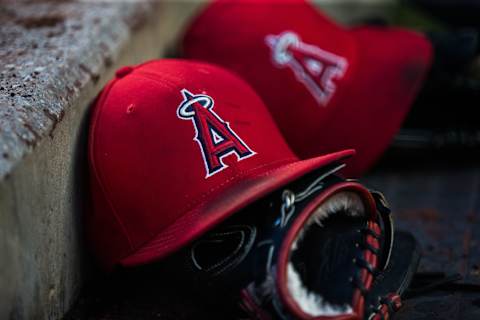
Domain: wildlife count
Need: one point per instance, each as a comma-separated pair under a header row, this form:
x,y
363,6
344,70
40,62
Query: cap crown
x,y
165,137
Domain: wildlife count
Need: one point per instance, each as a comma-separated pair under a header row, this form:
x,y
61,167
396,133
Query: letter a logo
x,y
214,136
314,67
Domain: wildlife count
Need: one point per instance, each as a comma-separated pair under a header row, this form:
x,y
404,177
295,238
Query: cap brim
x,y
391,67
231,199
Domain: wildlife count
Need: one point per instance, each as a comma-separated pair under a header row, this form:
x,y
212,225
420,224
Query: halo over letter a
x,y
214,135
316,68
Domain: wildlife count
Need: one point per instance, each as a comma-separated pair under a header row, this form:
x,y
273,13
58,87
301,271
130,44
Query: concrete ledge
x,y
56,56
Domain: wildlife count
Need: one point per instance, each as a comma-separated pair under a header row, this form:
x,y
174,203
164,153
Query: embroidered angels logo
x,y
214,135
314,67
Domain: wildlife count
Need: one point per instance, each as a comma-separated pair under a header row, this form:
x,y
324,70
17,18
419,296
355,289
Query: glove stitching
x,y
367,262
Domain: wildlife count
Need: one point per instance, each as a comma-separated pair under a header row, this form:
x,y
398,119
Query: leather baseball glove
x,y
320,248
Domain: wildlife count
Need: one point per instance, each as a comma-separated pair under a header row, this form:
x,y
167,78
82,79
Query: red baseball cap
x,y
175,148
327,87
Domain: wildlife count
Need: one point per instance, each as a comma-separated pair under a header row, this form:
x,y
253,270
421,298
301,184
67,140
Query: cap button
x,y
123,71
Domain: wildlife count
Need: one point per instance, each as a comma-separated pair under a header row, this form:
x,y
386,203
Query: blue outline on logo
x,y
207,102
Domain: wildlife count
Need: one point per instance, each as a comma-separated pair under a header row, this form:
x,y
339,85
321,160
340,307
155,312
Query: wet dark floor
x,y
439,204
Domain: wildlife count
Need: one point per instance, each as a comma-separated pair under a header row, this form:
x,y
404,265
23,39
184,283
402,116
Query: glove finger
x,y
392,282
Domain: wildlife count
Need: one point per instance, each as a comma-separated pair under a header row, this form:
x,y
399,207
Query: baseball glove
x,y
320,248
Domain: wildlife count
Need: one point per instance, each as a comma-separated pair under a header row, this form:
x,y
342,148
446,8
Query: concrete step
x,y
55,57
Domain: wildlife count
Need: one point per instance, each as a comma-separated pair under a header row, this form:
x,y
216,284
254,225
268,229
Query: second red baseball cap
x,y
327,87
175,148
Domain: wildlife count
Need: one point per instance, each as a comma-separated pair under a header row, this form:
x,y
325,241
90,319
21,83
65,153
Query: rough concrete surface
x,y
55,57
49,52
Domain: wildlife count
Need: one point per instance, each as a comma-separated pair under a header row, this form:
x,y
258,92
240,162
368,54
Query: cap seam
x,y
152,76
96,172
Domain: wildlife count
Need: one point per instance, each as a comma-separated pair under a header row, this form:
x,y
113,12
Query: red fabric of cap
x,y
175,148
327,87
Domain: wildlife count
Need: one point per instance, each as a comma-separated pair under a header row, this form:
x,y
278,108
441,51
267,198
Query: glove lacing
x,y
389,304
